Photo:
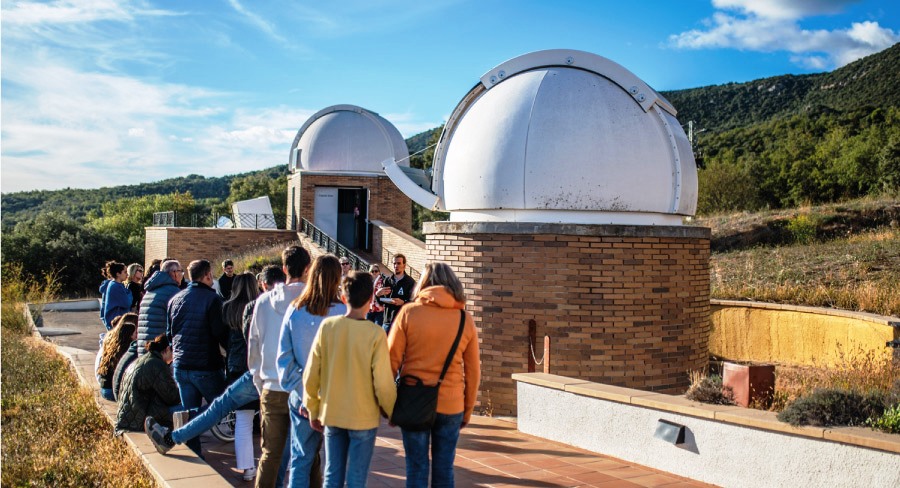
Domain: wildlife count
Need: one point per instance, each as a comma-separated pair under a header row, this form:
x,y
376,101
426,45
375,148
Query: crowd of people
x,y
315,347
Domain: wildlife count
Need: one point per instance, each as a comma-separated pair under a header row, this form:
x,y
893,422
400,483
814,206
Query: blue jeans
x,y
443,436
107,394
304,445
194,386
239,393
341,444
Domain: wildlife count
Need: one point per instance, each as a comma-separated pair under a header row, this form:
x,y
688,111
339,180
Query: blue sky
x,y
110,92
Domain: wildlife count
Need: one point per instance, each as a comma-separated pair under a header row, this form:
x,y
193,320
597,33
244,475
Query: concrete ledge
x,y
833,312
687,232
729,414
723,445
181,467
71,305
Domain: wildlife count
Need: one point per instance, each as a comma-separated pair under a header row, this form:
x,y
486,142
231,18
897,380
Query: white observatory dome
x,y
562,136
346,138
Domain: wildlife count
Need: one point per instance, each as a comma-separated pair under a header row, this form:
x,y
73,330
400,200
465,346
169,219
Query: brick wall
x,y
386,202
187,243
623,305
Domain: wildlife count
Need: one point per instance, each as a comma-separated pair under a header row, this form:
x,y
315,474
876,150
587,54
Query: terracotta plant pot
x,y
751,383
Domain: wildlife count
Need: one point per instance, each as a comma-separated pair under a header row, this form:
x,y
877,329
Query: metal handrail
x,y
332,246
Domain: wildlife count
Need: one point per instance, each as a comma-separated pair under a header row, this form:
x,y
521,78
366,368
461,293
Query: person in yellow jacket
x,y
348,383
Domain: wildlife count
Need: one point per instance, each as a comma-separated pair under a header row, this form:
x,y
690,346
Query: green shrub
x,y
828,406
803,229
889,422
708,389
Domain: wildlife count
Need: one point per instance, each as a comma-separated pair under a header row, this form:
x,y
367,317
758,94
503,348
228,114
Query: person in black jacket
x,y
398,289
197,330
148,389
226,280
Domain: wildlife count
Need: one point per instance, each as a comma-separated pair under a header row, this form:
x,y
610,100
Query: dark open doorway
x,y
353,213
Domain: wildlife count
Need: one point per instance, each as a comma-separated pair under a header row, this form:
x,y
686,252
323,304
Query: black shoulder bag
x,y
416,404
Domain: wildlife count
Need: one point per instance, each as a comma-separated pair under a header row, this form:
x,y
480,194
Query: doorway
x,y
343,214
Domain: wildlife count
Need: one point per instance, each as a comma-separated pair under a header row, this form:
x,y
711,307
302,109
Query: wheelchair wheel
x,y
224,430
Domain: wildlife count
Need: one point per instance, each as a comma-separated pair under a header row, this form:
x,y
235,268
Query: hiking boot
x,y
159,436
249,474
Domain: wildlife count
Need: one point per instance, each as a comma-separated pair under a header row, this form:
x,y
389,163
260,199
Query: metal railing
x,y
332,246
212,220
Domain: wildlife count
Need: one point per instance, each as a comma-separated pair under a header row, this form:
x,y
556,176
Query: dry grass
x,y
740,222
859,273
858,371
53,432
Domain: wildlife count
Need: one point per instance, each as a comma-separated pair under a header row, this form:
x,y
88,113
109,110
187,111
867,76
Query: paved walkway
x,y
491,452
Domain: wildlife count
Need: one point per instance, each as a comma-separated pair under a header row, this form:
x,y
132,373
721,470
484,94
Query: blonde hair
x,y
441,274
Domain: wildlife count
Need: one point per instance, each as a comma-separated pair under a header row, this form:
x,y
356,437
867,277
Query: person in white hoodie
x,y
262,354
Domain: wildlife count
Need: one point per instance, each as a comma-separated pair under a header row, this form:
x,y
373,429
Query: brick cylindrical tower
x,y
623,305
567,179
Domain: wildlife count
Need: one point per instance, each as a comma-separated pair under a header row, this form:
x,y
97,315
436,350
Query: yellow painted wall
x,y
745,333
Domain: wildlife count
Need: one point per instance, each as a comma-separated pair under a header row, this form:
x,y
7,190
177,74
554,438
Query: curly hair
x,y
116,342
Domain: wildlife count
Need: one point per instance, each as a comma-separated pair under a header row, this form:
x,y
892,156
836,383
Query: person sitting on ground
x,y
114,297
347,383
115,344
160,288
135,285
301,323
148,390
238,393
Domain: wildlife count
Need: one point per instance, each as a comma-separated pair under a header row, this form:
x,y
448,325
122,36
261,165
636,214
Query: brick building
x,y
337,181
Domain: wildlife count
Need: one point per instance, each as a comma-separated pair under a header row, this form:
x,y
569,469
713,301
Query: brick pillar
x,y
623,305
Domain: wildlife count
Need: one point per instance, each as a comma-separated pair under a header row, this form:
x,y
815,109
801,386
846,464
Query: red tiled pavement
x,y
492,453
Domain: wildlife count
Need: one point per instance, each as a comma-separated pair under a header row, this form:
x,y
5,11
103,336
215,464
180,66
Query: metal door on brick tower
x,y
343,214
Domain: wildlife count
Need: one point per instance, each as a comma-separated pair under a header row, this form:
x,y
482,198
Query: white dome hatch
x,y
346,138
561,136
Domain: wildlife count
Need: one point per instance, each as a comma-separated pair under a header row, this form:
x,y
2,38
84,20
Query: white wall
x,y
714,452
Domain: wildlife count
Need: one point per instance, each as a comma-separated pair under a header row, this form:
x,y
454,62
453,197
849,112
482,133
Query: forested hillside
x,y
867,82
78,203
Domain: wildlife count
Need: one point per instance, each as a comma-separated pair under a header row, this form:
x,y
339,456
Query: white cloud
x,y
784,9
136,132
771,26
257,21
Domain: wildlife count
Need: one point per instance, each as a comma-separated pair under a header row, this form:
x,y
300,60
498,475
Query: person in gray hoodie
x,y
161,287
263,336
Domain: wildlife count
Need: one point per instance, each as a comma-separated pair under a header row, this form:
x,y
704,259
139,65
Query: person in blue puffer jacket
x,y
160,288
115,299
